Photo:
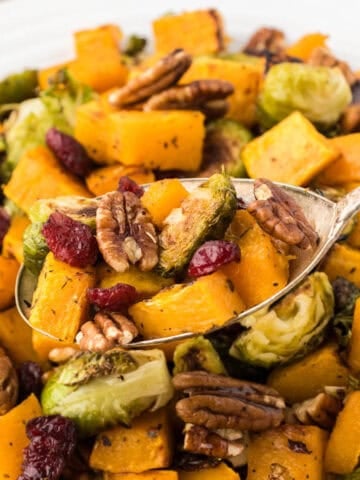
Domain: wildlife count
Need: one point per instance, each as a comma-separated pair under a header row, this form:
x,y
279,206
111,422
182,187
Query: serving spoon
x,y
328,219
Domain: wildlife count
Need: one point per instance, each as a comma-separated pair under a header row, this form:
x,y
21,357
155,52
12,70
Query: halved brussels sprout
x,y
292,328
320,93
18,87
99,390
35,248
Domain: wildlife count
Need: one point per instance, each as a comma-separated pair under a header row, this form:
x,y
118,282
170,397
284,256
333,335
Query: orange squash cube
x,y
106,179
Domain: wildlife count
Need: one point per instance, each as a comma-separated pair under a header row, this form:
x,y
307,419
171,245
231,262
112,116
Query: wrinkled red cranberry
x,y
126,184
69,151
52,442
29,374
4,224
211,256
115,298
70,241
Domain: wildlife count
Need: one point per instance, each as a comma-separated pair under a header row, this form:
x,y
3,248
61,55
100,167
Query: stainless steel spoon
x,y
328,219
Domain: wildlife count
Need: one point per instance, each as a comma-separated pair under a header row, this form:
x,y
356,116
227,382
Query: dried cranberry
x,y
52,443
115,298
211,256
126,184
4,224
29,374
70,241
69,151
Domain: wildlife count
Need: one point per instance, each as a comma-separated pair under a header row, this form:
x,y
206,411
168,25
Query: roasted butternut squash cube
x,y
150,475
198,32
102,38
353,356
307,377
168,139
13,240
39,175
343,261
305,45
106,179
146,445
163,196
220,472
13,437
258,254
291,152
290,451
146,283
246,78
60,303
207,302
346,168
343,450
8,271
13,327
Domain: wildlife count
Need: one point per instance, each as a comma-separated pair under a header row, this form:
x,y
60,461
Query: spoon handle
x,y
346,209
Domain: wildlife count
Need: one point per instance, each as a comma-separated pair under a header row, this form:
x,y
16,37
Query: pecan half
x,y
350,120
216,401
206,95
106,331
320,410
321,56
9,384
280,216
165,73
125,233
266,39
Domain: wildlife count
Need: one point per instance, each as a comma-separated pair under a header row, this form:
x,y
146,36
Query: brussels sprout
x,y
346,294
134,45
34,247
320,93
197,354
100,390
81,209
289,330
204,214
355,475
224,141
18,87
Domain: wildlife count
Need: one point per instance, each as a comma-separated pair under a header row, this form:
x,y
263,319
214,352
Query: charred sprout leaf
x,y
100,390
292,328
134,45
203,215
224,141
197,354
320,93
18,87
345,294
35,248
81,209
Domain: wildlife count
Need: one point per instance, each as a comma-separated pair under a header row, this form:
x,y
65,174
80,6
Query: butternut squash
x,y
39,175
293,151
194,307
353,356
346,168
13,240
246,78
220,472
259,255
102,38
307,377
146,283
343,261
150,475
106,179
15,337
305,45
290,451
13,437
146,445
198,32
163,196
343,450
8,271
59,304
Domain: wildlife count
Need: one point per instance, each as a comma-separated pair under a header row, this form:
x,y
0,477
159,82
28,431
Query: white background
x,y
37,33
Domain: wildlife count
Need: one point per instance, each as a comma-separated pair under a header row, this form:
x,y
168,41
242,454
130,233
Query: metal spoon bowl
x,y
328,219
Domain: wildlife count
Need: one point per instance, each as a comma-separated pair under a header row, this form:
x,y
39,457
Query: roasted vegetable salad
x,y
274,395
